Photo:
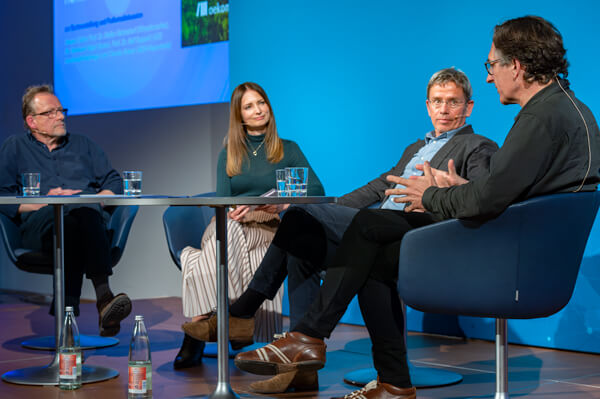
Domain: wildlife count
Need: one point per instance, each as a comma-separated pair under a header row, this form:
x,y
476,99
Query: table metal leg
x,y
223,389
48,375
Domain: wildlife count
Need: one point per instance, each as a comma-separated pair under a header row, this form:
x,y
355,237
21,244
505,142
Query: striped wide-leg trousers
x,y
246,246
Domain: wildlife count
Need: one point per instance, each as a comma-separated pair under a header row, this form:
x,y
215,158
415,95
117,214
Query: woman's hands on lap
x,y
239,212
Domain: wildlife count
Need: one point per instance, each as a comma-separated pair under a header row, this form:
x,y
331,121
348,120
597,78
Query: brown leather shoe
x,y
293,351
241,331
297,381
381,390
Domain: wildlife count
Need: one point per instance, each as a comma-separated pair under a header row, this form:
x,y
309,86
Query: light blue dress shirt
x,y
425,153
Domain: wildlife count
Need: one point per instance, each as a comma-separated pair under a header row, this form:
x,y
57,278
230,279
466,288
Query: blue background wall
x,y
347,80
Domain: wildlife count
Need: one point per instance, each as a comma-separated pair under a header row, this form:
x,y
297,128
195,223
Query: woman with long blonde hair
x,y
246,167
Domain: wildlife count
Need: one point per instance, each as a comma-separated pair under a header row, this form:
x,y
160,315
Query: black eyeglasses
x,y
437,103
489,64
52,113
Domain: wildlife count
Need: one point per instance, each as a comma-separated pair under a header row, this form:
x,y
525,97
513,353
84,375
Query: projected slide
x,y
116,55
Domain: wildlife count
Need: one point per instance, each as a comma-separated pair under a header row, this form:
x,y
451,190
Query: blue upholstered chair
x,y
37,262
521,265
184,226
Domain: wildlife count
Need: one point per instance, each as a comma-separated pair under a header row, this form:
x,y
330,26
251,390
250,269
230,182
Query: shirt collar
x,y
62,143
543,94
430,136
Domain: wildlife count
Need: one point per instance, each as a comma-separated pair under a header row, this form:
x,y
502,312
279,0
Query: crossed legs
x,y
365,264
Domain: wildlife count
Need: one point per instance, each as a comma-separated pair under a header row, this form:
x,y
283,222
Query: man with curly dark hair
x,y
553,147
536,44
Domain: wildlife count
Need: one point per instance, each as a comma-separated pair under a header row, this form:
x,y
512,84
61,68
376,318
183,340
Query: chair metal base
x,y
48,375
48,343
421,377
210,350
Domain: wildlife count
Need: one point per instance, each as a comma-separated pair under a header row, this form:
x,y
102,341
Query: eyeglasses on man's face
x,y
52,113
489,65
437,103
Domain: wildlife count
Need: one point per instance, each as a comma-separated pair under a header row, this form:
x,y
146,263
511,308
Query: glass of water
x,y
281,181
132,182
31,184
297,181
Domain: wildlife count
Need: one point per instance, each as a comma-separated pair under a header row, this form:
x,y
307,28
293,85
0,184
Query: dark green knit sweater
x,y
258,174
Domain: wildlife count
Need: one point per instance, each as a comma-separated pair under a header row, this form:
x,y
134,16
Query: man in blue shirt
x,y
309,234
69,164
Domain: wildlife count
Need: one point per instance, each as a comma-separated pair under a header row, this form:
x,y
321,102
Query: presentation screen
x,y
116,55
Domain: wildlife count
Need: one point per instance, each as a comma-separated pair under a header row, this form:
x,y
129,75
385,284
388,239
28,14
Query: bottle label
x,y
68,365
137,379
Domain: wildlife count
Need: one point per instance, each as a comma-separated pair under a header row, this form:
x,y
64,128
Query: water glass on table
x,y
281,182
132,182
31,184
297,181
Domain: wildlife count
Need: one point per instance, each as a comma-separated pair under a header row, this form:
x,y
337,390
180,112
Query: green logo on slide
x,y
204,21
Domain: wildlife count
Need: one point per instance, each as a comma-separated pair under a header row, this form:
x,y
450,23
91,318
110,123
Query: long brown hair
x,y
237,149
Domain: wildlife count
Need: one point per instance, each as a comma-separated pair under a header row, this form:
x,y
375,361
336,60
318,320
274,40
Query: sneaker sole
x,y
270,368
118,309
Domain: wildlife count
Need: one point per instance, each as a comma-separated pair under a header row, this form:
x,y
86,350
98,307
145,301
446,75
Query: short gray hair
x,y
451,75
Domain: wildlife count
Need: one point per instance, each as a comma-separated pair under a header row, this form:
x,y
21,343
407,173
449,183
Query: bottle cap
x,y
139,317
69,309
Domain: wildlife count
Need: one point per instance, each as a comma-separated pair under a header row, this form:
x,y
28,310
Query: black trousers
x,y
366,264
311,234
87,248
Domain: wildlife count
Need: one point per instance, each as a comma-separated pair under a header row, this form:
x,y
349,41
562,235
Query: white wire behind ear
x,y
587,131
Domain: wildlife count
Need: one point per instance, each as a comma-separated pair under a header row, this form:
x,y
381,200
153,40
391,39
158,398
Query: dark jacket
x,y
471,154
546,151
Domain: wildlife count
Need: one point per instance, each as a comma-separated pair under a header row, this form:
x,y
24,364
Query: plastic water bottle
x,y
140,362
69,353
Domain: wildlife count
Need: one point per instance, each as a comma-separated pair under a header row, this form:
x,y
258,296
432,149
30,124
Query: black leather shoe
x,y
190,354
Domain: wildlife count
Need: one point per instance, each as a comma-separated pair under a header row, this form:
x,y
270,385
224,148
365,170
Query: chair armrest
x,y
11,237
119,226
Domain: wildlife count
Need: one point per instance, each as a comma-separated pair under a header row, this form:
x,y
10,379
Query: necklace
x,y
255,150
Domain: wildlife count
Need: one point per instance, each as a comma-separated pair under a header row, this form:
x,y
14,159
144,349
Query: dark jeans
x,y
323,226
366,263
87,249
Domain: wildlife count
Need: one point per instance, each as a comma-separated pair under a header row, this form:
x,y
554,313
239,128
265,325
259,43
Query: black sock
x,y
247,304
103,292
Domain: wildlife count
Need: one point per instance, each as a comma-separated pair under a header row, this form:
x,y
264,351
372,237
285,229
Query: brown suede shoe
x,y
293,351
297,381
241,331
381,390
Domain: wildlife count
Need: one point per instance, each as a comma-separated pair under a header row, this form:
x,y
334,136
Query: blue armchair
x,y
184,226
521,265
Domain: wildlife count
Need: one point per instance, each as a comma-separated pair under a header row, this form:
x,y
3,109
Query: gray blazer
x,y
471,154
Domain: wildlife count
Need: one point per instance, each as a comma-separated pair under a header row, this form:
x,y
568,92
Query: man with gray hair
x,y
69,164
311,233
